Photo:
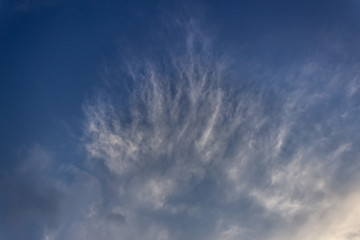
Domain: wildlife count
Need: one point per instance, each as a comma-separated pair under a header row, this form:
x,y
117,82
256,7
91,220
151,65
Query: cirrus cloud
x,y
205,155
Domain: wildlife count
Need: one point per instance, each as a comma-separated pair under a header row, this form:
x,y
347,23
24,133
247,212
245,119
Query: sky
x,y
159,120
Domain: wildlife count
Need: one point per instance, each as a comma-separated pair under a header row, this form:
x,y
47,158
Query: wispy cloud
x,y
197,152
200,146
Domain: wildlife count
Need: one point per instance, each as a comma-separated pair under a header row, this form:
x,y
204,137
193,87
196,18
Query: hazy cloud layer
x,y
42,197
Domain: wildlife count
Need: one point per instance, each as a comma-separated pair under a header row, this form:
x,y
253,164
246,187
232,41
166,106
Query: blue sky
x,y
214,120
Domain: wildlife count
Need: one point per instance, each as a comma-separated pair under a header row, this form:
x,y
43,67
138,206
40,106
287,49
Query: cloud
x,y
340,220
40,195
198,152
30,196
239,160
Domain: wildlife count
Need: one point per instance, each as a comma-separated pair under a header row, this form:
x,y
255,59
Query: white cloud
x,y
339,221
197,144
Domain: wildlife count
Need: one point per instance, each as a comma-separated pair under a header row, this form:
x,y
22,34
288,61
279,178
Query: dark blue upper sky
x,y
53,52
57,56
52,56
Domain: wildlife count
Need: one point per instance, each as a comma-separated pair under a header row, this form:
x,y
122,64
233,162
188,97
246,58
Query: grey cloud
x,y
29,196
40,196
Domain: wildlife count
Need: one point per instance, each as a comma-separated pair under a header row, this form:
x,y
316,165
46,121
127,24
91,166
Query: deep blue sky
x,y
60,59
53,52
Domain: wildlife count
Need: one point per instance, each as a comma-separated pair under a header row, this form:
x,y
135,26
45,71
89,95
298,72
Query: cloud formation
x,y
201,154
195,150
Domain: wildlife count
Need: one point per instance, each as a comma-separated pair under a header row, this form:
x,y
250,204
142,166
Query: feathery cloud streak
x,y
201,154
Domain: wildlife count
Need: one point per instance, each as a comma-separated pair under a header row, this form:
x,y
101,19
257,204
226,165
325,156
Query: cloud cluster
x,y
201,154
198,151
